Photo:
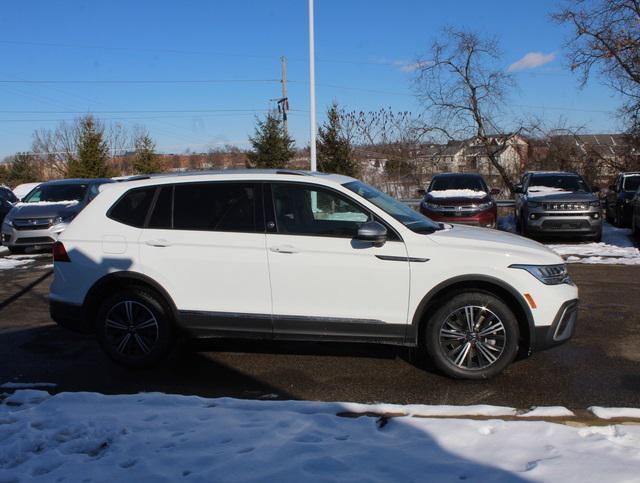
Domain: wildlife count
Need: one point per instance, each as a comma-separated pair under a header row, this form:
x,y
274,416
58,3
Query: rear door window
x,y
218,206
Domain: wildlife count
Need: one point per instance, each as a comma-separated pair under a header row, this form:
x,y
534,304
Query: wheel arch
x,y
118,280
492,285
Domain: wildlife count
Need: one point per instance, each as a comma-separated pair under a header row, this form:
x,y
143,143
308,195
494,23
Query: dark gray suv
x,y
555,203
45,212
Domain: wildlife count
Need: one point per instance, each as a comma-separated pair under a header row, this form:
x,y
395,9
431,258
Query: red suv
x,y
460,198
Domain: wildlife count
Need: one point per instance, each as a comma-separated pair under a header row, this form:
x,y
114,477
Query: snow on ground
x,y
617,246
466,193
158,437
26,385
548,412
8,263
609,413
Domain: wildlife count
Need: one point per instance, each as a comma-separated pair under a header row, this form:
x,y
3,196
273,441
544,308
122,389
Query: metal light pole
x,y
312,91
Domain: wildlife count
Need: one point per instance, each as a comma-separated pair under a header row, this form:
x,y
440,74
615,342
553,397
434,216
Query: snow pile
x,y
9,263
466,193
157,437
548,412
610,413
537,191
47,203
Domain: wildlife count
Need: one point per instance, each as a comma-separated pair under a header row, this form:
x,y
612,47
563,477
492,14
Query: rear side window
x,y
132,208
218,206
161,215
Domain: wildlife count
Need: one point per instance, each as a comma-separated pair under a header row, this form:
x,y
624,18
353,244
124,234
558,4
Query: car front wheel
x,y
474,335
134,327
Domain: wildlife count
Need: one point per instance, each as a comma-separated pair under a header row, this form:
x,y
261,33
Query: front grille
x,y
34,240
32,223
565,225
562,206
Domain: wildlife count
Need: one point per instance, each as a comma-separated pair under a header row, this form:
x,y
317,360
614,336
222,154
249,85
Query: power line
x,y
134,81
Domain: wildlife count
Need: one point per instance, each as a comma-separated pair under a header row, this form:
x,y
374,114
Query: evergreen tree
x,y
335,154
92,151
21,170
272,146
145,160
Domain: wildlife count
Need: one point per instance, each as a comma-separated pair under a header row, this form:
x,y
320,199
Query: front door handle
x,y
158,242
284,249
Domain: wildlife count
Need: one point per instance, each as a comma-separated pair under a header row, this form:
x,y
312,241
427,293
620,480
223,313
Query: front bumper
x,y
12,237
561,329
557,224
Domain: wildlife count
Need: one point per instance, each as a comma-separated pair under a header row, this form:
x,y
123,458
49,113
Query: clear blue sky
x,y
362,47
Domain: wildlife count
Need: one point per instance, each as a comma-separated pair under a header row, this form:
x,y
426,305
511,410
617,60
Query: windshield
x,y
557,184
445,183
401,212
57,193
631,183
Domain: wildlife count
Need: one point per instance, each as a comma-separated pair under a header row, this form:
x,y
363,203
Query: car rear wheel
x,y
474,335
134,327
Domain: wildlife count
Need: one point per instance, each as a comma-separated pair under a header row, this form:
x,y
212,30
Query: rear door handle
x,y
284,249
159,242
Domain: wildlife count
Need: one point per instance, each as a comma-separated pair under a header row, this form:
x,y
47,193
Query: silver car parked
x,y
46,211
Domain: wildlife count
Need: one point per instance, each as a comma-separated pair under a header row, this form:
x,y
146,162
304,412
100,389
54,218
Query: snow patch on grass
x,y
547,412
151,437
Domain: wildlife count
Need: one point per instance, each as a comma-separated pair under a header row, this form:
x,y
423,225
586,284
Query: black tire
x,y
487,311
17,250
147,342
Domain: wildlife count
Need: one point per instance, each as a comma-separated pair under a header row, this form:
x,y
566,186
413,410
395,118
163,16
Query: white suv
x,y
300,256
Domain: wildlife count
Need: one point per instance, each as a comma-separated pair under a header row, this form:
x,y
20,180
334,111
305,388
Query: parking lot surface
x,y
599,366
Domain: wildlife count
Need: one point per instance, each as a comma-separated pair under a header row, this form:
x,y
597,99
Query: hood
x,y
44,209
514,247
567,196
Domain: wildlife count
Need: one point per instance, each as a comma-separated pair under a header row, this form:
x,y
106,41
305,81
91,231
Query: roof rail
x,y
291,171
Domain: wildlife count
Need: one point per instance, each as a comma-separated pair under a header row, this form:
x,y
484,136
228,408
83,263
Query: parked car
x,y
289,255
558,204
46,212
7,200
460,198
635,214
619,196
24,189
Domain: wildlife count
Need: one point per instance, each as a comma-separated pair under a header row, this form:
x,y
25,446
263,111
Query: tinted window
x,y
57,193
306,210
132,208
632,183
218,206
549,183
161,215
443,183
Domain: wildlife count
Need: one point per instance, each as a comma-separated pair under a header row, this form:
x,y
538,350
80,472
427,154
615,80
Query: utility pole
x,y
283,102
312,92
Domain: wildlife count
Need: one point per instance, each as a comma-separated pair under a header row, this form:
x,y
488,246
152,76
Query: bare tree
x,y
606,38
463,87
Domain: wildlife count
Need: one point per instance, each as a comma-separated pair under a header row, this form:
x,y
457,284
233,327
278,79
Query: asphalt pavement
x,y
599,366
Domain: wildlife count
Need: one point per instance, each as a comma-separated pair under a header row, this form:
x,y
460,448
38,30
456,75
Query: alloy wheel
x,y
131,328
472,337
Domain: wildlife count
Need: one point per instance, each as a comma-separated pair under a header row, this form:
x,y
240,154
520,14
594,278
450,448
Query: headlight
x,y
432,206
547,274
486,205
62,219
532,204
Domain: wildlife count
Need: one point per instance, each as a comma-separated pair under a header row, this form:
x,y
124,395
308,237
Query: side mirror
x,y
495,191
373,232
595,189
421,192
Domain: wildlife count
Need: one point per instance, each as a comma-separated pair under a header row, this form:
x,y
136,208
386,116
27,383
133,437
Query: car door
x,y
205,243
612,197
324,282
